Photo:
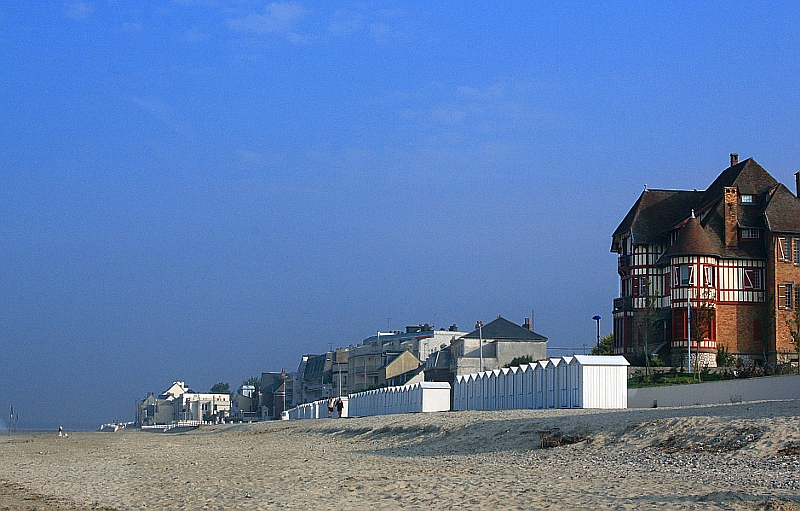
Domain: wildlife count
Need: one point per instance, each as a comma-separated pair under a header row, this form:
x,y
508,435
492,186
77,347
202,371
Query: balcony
x,y
624,303
624,261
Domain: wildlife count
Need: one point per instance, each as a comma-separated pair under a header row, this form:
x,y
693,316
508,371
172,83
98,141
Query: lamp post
x,y
283,377
480,344
597,319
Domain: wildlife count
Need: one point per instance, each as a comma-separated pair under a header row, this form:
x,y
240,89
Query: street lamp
x,y
480,344
597,319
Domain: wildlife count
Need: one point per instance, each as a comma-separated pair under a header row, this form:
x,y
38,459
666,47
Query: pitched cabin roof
x,y
657,213
502,329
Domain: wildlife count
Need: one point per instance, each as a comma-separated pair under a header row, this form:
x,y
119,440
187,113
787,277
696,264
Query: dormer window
x,y
750,234
748,199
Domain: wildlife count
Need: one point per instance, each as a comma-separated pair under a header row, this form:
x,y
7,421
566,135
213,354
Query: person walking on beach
x,y
61,431
339,408
331,404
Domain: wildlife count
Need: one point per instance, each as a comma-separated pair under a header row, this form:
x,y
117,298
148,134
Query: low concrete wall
x,y
717,392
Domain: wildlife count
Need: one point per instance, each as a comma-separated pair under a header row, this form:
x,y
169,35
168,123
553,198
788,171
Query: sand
x,y
743,456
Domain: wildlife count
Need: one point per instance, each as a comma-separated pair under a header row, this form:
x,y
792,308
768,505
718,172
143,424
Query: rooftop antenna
x,y
388,324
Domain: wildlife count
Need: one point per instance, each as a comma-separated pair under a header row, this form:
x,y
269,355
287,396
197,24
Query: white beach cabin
x,y
598,382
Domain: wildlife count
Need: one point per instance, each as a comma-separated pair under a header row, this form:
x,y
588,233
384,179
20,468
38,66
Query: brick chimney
x,y
527,324
797,183
731,216
734,159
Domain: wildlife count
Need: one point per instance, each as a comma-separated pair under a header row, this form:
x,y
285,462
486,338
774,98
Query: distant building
x,y
205,407
274,394
244,404
497,344
180,403
730,253
399,370
367,361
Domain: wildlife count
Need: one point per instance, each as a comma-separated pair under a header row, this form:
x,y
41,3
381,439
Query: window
x,y
686,275
752,278
750,234
785,296
748,199
708,276
640,286
796,250
781,249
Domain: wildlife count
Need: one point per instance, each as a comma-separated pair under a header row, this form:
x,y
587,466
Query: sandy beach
x,y
743,456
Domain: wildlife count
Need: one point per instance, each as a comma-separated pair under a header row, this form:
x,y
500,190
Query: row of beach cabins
x,y
578,381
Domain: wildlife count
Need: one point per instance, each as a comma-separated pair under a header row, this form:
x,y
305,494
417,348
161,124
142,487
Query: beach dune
x,y
739,456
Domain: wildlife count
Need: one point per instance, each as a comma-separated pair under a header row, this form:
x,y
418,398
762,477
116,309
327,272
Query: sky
x,y
204,190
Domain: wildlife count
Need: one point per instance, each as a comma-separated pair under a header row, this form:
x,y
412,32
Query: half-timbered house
x,y
712,272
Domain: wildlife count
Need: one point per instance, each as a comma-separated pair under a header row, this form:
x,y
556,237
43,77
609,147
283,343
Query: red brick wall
x,y
735,328
782,272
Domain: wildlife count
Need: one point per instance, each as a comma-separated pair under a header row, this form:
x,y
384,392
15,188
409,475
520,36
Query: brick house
x,y
727,257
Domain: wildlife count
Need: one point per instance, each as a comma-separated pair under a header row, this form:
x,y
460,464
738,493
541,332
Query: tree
x,y
649,321
767,323
794,329
220,388
606,345
255,381
702,319
520,361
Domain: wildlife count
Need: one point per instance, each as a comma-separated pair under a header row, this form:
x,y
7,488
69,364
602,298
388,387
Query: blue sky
x,y
205,190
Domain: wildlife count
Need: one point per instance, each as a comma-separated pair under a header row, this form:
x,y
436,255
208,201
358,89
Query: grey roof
x,y
694,240
658,212
655,211
748,176
782,212
503,329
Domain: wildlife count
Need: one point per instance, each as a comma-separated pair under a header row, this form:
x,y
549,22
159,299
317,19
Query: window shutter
x,y
781,296
781,249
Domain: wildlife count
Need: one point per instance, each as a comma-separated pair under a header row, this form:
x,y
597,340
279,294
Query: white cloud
x,y
278,18
345,23
79,10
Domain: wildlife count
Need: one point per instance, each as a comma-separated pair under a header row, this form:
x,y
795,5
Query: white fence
x,y
418,397
567,382
316,410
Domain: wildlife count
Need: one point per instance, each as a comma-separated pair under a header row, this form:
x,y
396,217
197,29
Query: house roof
x,y
694,240
782,212
748,176
503,329
655,211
